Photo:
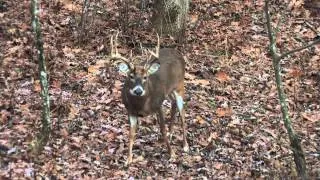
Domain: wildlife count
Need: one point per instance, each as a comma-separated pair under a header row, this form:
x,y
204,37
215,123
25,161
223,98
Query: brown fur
x,y
158,86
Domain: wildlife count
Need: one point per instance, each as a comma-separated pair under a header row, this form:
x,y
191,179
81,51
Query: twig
x,y
208,55
273,41
312,28
299,49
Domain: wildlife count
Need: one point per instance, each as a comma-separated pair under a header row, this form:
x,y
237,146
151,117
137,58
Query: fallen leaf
x,y
221,112
222,76
189,76
217,165
200,120
36,86
313,117
202,82
295,73
64,133
93,69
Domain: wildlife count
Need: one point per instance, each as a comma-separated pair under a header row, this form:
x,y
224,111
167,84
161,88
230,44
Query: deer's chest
x,y
143,106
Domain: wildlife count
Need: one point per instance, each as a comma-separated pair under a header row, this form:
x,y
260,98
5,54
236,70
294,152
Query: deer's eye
x,y
145,78
131,76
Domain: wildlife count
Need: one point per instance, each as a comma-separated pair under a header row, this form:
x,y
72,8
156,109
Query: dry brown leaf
x,y
313,117
236,142
201,82
73,112
203,142
197,158
189,76
222,112
93,69
200,120
314,58
217,165
64,133
138,159
4,116
295,73
194,18
222,76
21,128
235,24
56,84
295,4
213,136
36,86
69,5
12,50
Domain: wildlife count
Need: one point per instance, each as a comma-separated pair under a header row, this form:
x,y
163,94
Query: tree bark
x,y
170,16
45,119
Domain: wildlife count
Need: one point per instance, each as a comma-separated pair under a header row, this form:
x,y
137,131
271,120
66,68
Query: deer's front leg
x,y
164,131
133,128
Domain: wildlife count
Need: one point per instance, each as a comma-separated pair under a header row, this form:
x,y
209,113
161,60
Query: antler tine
x,y
156,54
144,53
116,43
114,50
146,65
158,45
111,44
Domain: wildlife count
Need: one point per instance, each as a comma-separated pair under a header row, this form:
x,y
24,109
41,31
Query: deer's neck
x,y
137,105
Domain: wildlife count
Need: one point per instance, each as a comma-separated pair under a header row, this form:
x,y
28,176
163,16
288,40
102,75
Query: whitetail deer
x,y
148,84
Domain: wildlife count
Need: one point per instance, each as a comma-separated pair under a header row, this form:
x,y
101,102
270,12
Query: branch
x,y
299,49
271,36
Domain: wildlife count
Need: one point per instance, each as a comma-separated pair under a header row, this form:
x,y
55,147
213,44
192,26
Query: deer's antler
x,y
156,54
115,53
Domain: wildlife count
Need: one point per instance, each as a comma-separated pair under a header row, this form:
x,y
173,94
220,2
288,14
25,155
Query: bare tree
x,y
45,119
298,153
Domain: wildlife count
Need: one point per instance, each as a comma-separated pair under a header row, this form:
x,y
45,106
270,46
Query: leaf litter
x,y
234,120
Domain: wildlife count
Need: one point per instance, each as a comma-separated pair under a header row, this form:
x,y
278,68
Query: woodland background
x,y
235,127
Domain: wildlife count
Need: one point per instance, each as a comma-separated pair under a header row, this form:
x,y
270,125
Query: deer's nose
x,y
138,91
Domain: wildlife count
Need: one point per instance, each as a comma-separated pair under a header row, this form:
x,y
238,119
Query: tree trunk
x,y
170,16
44,135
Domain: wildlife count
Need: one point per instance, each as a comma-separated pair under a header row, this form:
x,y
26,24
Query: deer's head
x,y
137,76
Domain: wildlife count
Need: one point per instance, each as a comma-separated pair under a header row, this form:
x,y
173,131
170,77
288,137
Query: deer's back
x,y
172,69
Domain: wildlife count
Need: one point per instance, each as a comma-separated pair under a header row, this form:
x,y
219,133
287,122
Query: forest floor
x,y
235,127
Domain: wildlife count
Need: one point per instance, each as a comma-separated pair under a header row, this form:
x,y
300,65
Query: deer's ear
x,y
123,67
154,67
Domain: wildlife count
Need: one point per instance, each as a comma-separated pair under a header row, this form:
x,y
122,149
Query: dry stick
x,y
312,28
298,153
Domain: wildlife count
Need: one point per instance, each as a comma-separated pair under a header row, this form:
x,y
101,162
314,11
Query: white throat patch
x,y
136,89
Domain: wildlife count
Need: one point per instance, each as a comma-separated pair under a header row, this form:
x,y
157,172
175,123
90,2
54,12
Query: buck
x,y
148,84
